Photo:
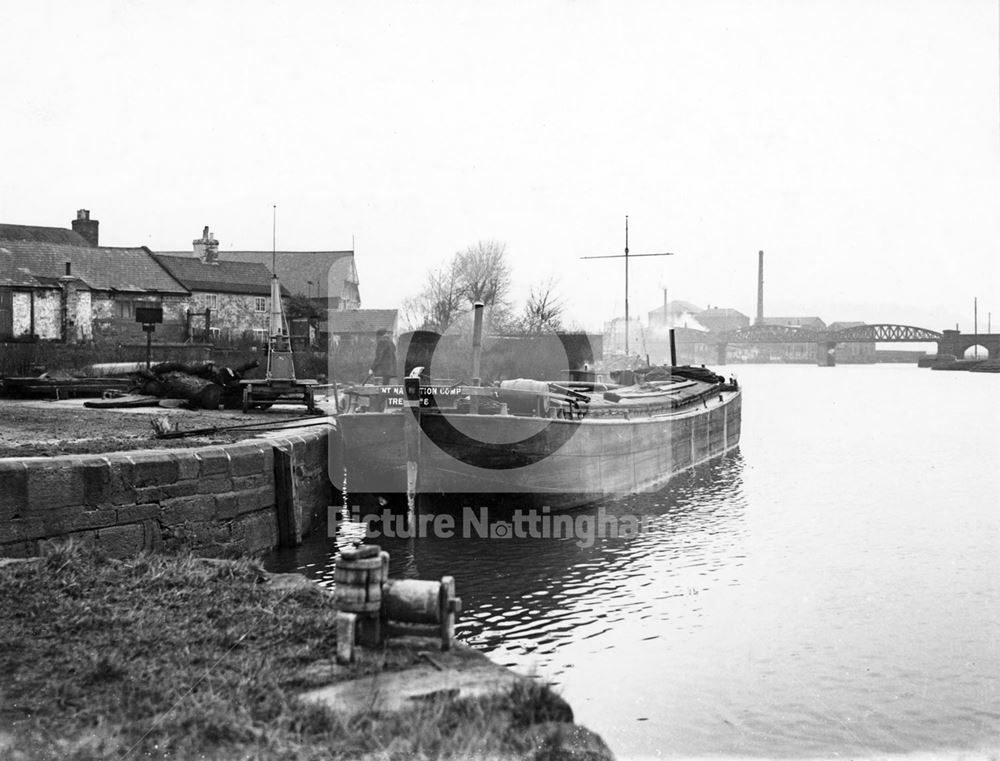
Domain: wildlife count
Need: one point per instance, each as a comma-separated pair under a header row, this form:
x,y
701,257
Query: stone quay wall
x,y
214,499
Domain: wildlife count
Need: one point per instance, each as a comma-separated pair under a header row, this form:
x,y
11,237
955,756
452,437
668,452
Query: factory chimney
x,y
760,288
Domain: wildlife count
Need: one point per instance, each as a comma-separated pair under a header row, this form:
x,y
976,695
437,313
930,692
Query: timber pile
x,y
202,385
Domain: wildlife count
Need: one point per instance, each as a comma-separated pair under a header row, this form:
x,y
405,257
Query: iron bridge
x,y
881,333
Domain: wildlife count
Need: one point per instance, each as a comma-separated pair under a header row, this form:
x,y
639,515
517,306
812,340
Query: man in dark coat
x,y
384,364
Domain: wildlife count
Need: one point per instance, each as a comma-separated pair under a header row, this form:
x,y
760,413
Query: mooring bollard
x,y
358,576
371,605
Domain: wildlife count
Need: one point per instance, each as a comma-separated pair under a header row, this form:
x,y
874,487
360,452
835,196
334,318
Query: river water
x,y
832,589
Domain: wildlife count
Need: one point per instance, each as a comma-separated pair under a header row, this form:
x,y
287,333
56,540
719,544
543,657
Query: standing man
x,y
384,364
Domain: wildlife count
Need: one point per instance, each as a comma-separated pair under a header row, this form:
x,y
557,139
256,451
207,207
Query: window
x,y
212,300
259,334
259,304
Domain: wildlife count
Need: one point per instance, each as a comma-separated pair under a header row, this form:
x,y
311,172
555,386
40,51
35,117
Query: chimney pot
x,y
86,227
206,248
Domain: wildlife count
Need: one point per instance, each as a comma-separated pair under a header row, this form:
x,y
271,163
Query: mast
x,y
626,257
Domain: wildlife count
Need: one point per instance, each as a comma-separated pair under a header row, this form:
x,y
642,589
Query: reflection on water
x,y
829,590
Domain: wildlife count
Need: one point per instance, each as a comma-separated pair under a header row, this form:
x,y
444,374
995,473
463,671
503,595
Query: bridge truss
x,y
881,333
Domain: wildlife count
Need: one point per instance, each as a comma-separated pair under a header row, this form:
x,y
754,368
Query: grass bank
x,y
175,657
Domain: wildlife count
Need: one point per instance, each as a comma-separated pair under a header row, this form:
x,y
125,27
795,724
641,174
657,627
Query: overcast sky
x,y
857,143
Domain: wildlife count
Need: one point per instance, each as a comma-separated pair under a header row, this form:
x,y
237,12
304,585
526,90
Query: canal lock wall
x,y
237,498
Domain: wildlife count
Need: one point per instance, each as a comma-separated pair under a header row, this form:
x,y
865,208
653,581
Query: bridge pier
x,y
956,343
826,353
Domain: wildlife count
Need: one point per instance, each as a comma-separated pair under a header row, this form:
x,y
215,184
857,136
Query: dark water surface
x,y
830,590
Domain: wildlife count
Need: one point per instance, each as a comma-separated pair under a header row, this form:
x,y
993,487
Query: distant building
x,y
720,320
361,324
852,352
809,323
60,284
799,351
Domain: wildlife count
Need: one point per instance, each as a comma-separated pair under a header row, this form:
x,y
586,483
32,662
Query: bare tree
x,y
483,273
439,301
543,309
479,273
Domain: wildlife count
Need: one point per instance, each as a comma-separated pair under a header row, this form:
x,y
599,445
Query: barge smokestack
x,y
760,288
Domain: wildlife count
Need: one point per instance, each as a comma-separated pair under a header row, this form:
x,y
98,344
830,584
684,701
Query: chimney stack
x,y
206,248
760,289
86,227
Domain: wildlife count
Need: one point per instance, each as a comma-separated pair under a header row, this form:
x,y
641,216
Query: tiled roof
x,y
361,320
37,234
313,274
796,322
220,277
35,261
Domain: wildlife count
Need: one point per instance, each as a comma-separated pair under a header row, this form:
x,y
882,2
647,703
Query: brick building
x,y
61,284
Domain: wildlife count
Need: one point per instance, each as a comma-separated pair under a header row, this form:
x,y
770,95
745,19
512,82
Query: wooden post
x,y
447,610
673,349
477,352
346,632
284,499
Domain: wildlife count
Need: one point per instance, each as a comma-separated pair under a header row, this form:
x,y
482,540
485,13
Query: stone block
x,y
247,460
214,461
96,473
197,507
227,505
122,541
215,485
22,529
135,513
13,489
55,483
205,533
255,531
153,469
121,490
65,520
188,465
242,483
161,493
233,503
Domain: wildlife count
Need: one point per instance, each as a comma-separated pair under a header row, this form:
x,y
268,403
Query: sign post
x,y
149,316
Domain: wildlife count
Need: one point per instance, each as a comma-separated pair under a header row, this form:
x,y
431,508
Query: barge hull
x,y
584,459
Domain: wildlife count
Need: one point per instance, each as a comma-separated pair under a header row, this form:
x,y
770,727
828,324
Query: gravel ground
x,y
45,428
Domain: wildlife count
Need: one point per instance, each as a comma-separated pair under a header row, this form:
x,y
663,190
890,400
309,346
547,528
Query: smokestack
x,y
86,227
760,288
